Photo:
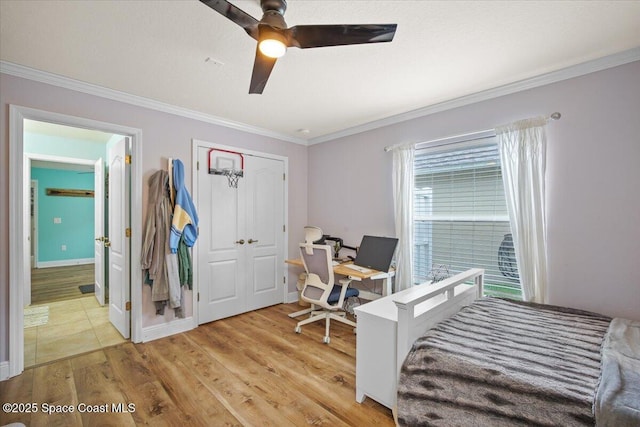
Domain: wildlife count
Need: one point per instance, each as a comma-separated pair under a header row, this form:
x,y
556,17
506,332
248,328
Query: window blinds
x,y
461,218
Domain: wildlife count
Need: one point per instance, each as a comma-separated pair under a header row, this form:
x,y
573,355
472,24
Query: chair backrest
x,y
319,268
312,234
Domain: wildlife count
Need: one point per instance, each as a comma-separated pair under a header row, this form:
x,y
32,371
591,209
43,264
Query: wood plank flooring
x,y
250,369
60,283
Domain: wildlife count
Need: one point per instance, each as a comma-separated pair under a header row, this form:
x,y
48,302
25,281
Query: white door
x,y
220,270
264,224
98,232
241,240
118,242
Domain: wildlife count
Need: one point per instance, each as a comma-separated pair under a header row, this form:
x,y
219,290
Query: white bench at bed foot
x,y
387,327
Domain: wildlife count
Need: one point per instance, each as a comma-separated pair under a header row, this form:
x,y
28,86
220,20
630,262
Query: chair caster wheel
x,y
326,340
298,330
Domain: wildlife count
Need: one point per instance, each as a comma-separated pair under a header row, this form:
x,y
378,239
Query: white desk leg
x,y
359,395
387,284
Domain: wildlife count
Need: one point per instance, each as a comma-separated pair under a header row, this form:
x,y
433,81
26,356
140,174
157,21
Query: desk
x,y
358,276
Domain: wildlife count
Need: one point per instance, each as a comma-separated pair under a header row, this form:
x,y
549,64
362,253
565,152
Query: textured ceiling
x,y
442,50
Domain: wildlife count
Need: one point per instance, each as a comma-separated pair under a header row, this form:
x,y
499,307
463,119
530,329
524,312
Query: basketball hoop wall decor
x,y
227,163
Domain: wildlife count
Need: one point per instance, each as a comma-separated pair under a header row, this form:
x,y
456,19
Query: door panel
x,y
118,202
265,274
265,221
225,273
220,271
224,297
98,233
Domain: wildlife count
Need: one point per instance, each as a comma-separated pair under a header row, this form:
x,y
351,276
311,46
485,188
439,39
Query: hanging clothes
x,y
155,243
185,265
185,217
185,273
184,232
170,230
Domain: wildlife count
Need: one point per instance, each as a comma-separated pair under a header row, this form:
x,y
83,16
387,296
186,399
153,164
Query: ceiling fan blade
x,y
235,14
306,36
262,67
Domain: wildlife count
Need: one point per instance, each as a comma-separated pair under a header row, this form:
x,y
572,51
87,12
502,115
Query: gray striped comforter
x,y
504,363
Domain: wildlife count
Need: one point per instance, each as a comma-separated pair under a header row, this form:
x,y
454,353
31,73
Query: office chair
x,y
311,235
326,299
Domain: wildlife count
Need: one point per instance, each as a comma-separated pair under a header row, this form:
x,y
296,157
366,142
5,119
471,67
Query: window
x,y
460,216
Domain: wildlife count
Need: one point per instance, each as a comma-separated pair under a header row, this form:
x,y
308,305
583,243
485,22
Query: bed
x,y
503,363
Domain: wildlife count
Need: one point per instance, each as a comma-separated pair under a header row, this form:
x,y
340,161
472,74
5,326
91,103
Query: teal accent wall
x,y
63,147
76,213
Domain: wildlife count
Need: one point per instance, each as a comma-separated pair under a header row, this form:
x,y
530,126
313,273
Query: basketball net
x,y
233,176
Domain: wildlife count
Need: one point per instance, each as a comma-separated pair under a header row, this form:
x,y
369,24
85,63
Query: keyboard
x,y
357,268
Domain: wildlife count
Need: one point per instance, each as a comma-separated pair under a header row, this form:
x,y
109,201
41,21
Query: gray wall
x,y
593,179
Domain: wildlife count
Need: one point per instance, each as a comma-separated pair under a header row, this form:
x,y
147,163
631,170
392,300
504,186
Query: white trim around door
x,y
19,254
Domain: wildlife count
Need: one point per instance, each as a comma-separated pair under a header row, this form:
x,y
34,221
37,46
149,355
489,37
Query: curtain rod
x,y
487,133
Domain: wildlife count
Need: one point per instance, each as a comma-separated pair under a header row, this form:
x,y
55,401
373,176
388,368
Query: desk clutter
x,y
373,253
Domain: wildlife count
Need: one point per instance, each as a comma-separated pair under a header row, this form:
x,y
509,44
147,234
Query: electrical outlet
x,y
57,220
63,247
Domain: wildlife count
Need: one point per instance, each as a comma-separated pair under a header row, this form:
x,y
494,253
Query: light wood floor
x,y
60,283
250,369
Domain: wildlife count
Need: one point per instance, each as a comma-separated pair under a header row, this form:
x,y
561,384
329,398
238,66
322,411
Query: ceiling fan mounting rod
x,y
273,15
278,6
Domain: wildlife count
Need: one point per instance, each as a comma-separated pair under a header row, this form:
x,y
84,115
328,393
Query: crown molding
x,y
139,101
578,70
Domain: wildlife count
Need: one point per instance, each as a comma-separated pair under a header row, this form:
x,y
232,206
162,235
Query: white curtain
x,y
403,184
522,148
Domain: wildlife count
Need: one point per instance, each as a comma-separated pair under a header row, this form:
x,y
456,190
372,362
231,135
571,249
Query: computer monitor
x,y
376,252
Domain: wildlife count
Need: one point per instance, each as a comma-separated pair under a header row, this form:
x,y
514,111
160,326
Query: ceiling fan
x,y
274,37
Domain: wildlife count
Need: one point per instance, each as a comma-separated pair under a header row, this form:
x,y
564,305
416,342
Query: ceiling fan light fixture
x,y
273,45
274,36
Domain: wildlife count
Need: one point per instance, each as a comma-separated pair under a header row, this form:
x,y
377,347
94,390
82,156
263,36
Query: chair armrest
x,y
344,285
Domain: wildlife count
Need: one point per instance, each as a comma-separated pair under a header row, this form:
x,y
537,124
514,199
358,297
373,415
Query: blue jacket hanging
x,y
185,217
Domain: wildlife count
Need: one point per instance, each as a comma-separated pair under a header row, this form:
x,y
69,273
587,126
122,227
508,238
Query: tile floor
x,y
74,327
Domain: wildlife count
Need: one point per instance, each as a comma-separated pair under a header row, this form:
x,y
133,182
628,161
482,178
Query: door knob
x,y
107,242
241,241
252,241
100,239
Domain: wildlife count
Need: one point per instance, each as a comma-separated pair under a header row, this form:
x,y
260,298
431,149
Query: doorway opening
x,y
64,317
62,214
65,312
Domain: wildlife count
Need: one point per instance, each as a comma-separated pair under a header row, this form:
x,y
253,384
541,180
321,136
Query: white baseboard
x,y
4,370
64,262
292,297
166,329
